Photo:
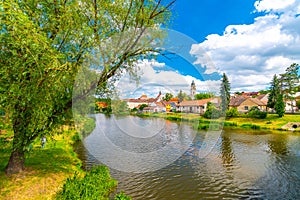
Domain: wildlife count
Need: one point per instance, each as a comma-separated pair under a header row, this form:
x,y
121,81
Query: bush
x,y
96,184
256,113
251,126
122,196
232,112
134,110
212,113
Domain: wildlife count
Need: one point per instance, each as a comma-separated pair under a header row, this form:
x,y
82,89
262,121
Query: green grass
x,y
46,170
271,122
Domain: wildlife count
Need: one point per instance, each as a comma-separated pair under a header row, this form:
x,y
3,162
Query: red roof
x,y
194,102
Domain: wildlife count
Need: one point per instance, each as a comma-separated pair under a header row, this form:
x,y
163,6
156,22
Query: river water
x,y
241,164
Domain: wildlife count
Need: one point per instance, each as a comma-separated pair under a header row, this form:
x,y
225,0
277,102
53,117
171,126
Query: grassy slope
x,y
271,122
46,169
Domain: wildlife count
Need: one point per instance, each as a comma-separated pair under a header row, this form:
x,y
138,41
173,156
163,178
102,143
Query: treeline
x,y
283,88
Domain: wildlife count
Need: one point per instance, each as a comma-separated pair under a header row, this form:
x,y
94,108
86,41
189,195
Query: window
x,y
246,108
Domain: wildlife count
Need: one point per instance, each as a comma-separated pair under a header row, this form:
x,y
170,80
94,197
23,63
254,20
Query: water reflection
x,y
241,166
278,144
226,150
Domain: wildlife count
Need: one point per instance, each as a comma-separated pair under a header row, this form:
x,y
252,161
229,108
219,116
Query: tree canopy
x,y
168,96
200,96
45,43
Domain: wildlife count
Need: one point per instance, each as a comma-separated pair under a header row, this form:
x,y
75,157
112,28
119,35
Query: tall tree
x,y
280,106
45,43
274,92
290,83
182,96
225,93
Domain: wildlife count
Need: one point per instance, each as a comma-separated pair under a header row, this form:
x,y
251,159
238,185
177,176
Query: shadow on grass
x,y
51,160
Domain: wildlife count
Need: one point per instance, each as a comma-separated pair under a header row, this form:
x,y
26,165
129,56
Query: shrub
x,y
232,112
134,110
256,113
251,126
96,184
230,124
212,112
122,196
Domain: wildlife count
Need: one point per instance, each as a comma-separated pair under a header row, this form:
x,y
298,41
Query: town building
x,y
244,104
193,106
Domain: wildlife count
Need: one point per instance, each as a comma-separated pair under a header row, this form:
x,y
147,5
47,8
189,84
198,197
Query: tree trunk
x,y
17,157
16,162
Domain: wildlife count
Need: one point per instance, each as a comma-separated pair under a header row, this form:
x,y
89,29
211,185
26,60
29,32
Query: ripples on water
x,y
240,166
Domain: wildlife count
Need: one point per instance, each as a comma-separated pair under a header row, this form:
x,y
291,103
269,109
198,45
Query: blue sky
x,y
249,40
199,18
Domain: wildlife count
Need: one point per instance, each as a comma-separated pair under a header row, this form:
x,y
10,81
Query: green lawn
x,y
271,122
46,169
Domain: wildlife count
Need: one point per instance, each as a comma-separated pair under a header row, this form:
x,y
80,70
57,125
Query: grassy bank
x,y
272,122
46,169
51,169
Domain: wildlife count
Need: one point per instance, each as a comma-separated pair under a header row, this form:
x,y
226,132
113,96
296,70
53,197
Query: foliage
x,y
204,96
134,110
96,184
119,106
182,96
122,196
251,126
211,112
232,112
290,82
274,92
44,44
280,106
298,104
225,93
141,107
168,96
264,91
254,112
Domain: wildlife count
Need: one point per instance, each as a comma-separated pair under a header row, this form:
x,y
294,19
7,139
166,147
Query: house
x,y
250,94
143,99
169,105
244,104
263,98
155,107
290,106
194,106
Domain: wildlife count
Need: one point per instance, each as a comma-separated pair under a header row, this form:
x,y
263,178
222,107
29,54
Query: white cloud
x,y
250,54
268,5
165,80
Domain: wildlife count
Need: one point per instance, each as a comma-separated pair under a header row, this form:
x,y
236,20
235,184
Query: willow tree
x,y
44,44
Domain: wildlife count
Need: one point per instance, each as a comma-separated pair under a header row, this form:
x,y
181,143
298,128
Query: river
x,y
240,164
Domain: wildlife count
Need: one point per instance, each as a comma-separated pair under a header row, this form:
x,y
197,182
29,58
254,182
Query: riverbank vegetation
x,y
243,121
49,171
45,169
46,47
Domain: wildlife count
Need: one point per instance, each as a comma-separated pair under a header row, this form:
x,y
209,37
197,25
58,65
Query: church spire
x,y
193,90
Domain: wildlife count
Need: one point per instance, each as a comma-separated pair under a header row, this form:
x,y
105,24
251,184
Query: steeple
x,y
193,90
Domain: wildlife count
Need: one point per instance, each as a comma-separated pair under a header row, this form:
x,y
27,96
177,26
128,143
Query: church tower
x,y
193,90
